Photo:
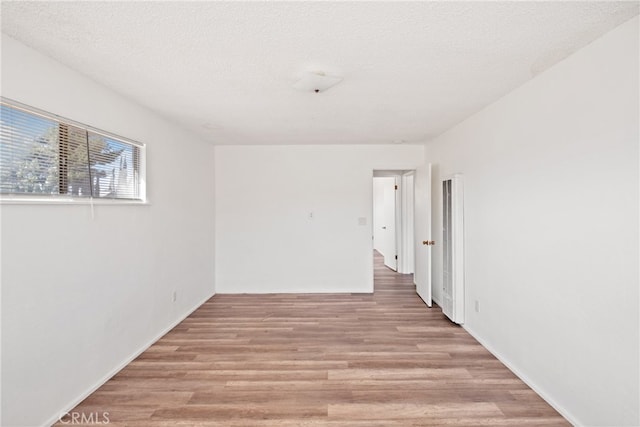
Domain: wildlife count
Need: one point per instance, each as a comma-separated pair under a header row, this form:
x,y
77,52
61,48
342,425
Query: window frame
x,y
36,198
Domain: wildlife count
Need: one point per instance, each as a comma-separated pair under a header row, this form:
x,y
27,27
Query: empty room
x,y
320,213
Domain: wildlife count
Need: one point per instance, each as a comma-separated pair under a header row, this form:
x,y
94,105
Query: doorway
x,y
393,218
385,204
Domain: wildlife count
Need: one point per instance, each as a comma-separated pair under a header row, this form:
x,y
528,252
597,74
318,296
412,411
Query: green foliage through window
x,y
45,155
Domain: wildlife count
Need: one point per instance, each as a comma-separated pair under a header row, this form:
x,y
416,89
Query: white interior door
x,y
422,227
384,219
389,224
406,255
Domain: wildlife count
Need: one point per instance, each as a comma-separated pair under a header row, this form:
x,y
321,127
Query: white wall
x,y
265,240
551,228
81,296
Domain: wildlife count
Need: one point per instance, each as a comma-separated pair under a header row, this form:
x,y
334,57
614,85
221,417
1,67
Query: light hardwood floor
x,y
319,360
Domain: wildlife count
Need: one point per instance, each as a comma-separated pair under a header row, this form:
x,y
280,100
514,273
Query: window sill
x,y
69,201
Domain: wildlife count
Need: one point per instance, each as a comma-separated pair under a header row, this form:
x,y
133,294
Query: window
x,y
45,155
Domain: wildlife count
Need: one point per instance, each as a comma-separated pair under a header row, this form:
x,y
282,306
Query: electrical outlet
x,y
477,306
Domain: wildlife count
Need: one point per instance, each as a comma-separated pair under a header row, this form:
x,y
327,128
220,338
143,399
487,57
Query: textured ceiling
x,y
225,70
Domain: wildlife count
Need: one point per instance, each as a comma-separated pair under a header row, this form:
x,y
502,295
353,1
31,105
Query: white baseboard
x,y
555,405
55,418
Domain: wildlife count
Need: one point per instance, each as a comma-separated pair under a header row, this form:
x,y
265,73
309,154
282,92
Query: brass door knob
x,y
429,242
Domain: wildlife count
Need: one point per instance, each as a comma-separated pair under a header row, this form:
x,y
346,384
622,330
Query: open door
x,y
422,226
384,219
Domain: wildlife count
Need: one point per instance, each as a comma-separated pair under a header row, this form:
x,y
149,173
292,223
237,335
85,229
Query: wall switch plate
x,y
362,221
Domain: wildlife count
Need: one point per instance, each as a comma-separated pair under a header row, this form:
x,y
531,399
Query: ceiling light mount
x,y
316,81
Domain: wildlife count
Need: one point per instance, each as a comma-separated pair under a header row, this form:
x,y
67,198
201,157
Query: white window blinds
x,y
42,154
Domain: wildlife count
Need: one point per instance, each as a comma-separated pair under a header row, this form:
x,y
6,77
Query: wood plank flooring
x,y
319,360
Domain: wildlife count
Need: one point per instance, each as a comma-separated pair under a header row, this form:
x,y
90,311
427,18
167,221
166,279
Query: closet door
x,y
452,249
422,232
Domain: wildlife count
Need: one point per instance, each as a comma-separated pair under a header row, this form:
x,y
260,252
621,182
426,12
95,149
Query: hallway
x,y
319,360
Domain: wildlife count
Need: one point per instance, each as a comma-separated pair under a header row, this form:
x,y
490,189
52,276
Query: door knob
x,y
429,242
